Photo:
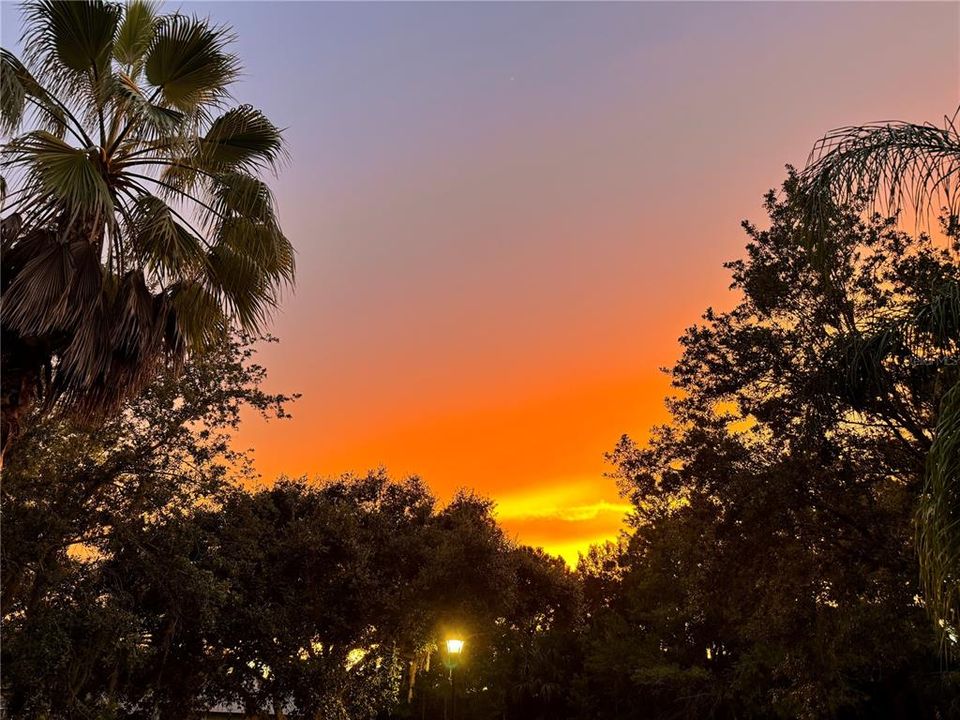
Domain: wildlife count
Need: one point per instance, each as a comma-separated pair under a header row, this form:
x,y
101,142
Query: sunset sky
x,y
506,214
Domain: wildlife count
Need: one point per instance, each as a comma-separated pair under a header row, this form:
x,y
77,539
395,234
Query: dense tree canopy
x,y
771,568
141,578
70,490
907,166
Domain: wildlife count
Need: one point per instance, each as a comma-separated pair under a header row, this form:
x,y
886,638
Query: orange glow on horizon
x,y
506,214
519,452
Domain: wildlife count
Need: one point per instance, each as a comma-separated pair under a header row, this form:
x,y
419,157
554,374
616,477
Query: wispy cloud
x,y
572,513
569,500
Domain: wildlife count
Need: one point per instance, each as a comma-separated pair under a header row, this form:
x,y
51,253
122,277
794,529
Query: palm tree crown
x,y
896,165
137,225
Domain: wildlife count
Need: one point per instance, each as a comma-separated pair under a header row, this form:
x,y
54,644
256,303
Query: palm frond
x,y
35,302
70,41
18,88
161,243
938,524
939,315
196,317
242,139
154,121
893,165
248,268
70,175
136,330
245,292
898,166
188,62
51,290
260,244
243,195
13,95
135,34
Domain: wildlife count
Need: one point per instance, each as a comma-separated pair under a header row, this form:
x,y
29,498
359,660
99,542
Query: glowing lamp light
x,y
454,646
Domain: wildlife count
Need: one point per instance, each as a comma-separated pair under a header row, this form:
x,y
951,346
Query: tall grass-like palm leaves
x,y
938,523
137,225
898,165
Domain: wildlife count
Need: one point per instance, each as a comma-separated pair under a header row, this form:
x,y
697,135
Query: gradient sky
x,y
506,214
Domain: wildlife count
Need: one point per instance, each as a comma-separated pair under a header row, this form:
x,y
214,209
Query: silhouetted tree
x,y
769,571
917,167
138,228
69,491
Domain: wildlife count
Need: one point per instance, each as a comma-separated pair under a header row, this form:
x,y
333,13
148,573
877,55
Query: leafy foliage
x,y
905,165
138,228
770,571
71,489
897,165
938,538
142,579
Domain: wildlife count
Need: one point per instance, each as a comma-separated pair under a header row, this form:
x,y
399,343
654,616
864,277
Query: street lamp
x,y
454,650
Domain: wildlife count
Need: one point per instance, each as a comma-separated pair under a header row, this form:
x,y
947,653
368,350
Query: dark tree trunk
x,y
22,363
21,380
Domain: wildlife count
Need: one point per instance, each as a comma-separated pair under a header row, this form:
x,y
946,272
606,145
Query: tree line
x,y
768,569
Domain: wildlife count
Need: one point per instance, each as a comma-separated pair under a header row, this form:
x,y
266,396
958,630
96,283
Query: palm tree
x,y
895,164
898,165
138,228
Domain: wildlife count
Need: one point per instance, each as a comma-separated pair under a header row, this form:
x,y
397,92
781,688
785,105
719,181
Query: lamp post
x,y
454,650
